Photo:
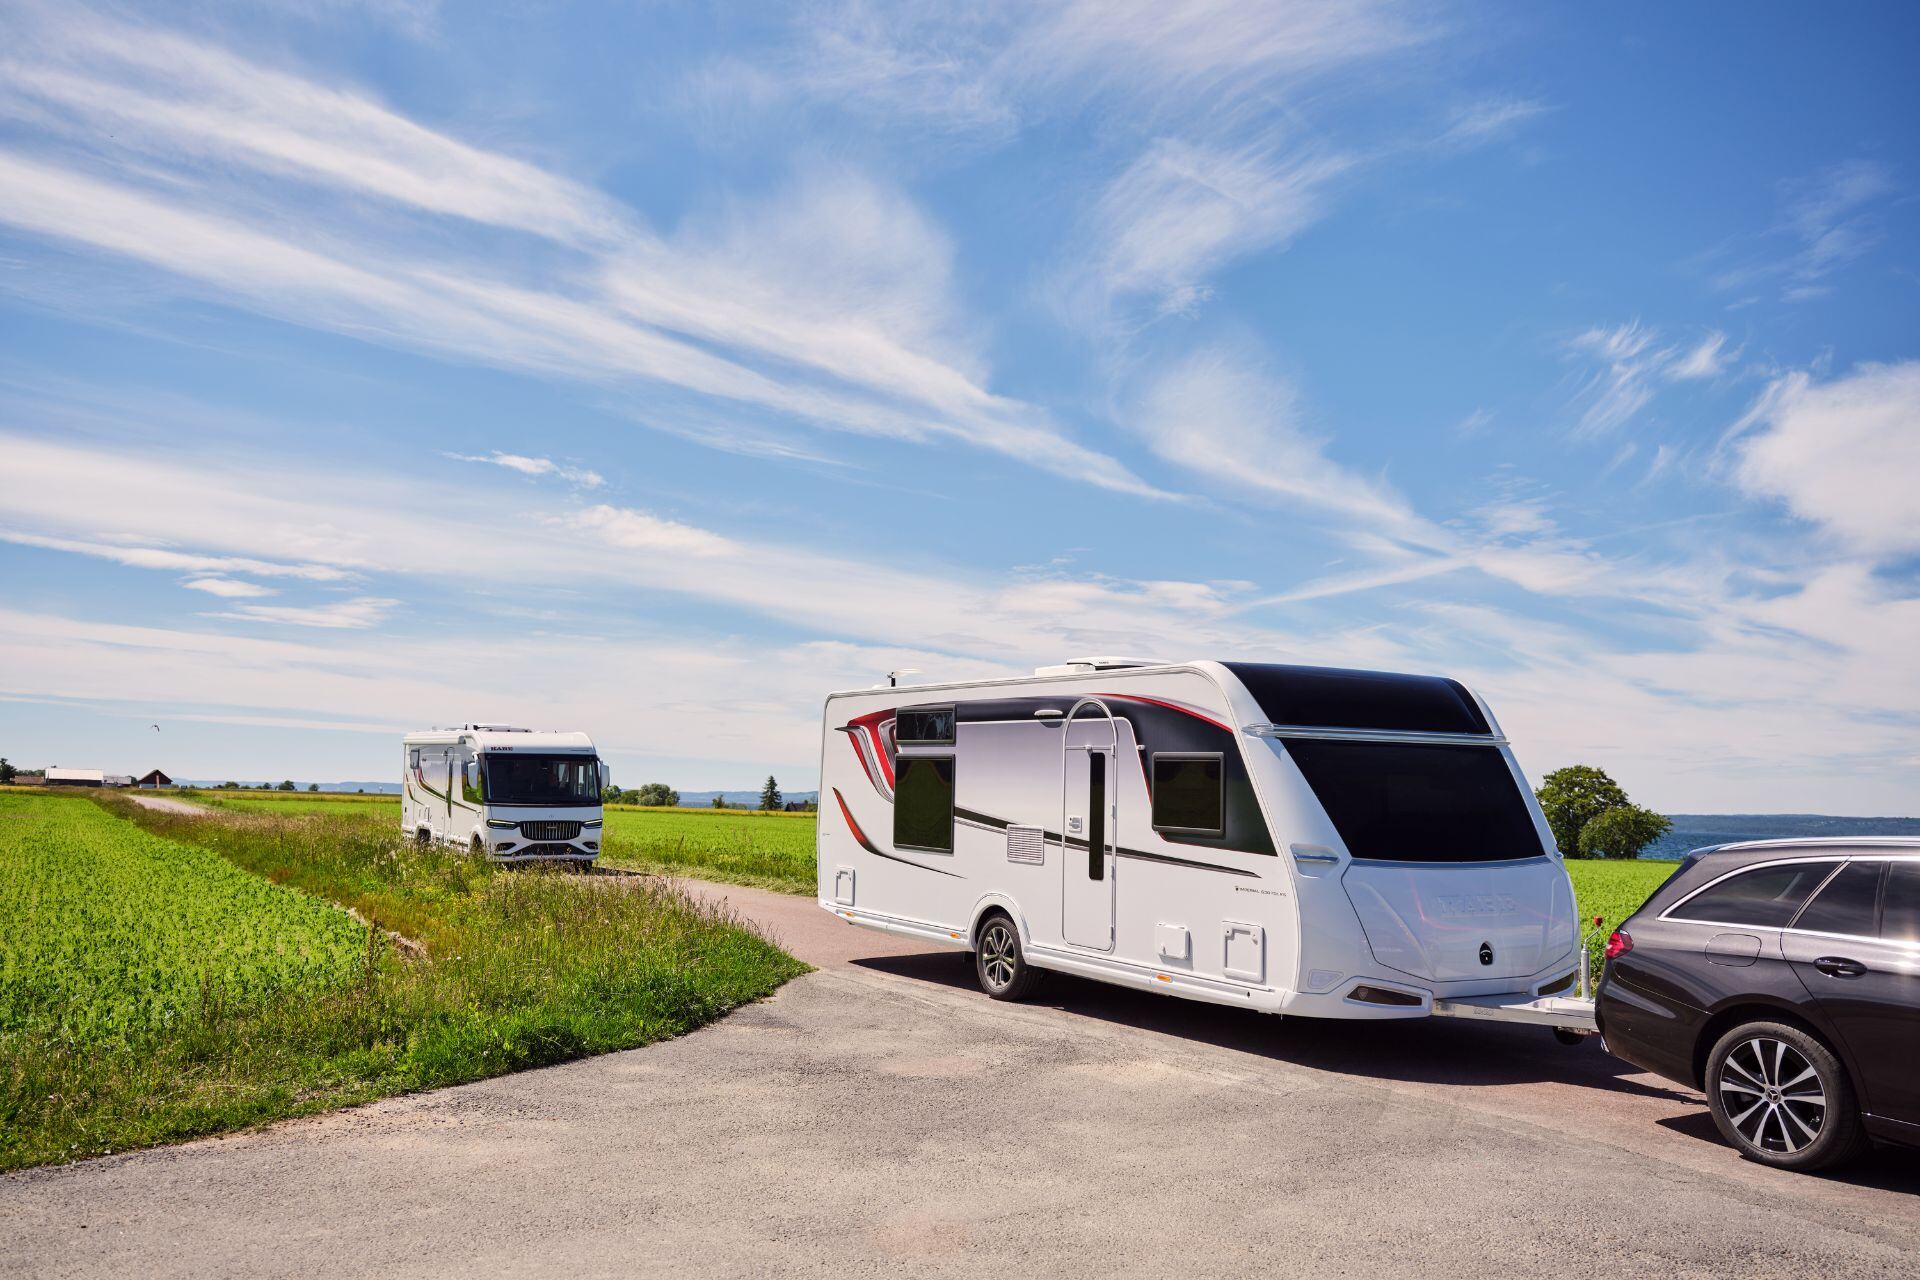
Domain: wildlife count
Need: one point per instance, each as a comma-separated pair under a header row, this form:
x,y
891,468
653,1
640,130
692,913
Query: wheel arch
x,y
1726,1019
991,904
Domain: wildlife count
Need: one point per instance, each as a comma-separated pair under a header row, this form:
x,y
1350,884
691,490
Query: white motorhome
x,y
511,795
1299,840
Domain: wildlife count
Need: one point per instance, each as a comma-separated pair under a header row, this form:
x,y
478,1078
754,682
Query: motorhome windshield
x,y
548,780
1419,803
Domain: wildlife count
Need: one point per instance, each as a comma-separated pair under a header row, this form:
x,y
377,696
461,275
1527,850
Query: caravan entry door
x,y
1089,813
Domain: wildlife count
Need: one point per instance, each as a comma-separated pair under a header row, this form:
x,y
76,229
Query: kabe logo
x,y
1475,904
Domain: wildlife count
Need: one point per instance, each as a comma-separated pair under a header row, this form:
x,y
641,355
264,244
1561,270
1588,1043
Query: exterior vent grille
x,y
550,830
1026,844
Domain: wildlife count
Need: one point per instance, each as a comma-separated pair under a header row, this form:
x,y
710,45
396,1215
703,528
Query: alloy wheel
x,y
998,952
1772,1095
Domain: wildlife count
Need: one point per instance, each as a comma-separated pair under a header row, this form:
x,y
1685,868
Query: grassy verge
x,y
514,970
1613,891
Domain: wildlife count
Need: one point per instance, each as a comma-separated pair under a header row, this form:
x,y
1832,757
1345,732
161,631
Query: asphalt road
x,y
881,1115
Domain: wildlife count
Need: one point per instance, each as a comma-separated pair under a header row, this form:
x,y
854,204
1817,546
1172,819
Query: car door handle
x,y
1839,967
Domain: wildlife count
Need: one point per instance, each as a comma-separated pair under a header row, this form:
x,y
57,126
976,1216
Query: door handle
x,y
1839,967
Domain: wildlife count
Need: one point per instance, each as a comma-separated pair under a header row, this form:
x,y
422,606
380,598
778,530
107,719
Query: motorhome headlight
x,y
501,824
591,822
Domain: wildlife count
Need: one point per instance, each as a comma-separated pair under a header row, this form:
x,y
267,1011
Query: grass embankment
x,y
217,1001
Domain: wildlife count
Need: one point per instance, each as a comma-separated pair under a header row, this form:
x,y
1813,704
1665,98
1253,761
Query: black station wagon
x,y
1782,978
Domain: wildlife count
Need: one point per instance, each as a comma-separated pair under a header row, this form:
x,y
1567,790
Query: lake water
x,y
1693,830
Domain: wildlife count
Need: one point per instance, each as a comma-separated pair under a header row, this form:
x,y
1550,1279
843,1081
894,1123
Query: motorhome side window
x,y
1189,793
413,759
923,803
924,726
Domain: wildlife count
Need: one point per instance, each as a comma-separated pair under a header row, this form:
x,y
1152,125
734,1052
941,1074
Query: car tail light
x,y
1619,944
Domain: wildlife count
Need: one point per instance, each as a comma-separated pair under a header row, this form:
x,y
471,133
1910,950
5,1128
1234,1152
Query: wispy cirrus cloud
x,y
527,466
357,614
871,350
1828,219
228,588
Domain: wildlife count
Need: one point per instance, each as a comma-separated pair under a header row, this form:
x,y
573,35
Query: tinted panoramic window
x,y
1424,803
1330,698
1188,794
924,725
923,803
531,779
1900,912
1766,898
1846,903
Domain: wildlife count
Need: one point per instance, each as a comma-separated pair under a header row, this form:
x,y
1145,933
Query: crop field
x,y
230,1001
1613,891
114,935
771,850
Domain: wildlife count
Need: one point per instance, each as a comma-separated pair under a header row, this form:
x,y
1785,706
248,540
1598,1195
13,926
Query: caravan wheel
x,y
999,963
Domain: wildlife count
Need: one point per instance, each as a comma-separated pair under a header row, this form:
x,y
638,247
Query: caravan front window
x,y
544,780
1419,803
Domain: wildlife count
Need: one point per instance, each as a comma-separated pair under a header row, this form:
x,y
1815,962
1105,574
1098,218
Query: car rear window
x,y
1419,803
1765,898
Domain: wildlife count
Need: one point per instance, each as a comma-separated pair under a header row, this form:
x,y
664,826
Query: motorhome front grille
x,y
545,851
1026,844
550,830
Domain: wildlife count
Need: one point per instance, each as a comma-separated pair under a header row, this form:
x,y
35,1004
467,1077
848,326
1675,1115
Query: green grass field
x,y
294,802
224,1001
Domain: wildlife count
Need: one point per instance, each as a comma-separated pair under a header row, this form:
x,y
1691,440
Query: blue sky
x,y
654,369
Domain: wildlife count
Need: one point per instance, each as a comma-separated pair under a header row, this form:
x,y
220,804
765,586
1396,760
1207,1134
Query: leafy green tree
x,y
658,795
770,795
719,801
7,772
1573,797
1621,832
313,786
287,786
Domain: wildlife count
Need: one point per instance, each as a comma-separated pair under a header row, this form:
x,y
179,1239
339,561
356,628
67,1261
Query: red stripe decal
x,y
853,826
1171,706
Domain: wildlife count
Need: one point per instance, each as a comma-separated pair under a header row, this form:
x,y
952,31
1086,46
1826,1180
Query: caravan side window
x,y
413,759
470,782
1189,793
923,803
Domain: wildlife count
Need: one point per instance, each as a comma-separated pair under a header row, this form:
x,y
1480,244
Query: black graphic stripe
x,y
1077,842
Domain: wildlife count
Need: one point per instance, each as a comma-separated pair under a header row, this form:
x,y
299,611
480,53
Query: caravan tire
x,y
999,962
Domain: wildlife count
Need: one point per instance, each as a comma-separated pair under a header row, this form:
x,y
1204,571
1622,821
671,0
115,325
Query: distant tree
x,y
719,801
770,795
229,786
7,772
658,795
287,786
313,786
1621,832
1575,796
611,794
359,791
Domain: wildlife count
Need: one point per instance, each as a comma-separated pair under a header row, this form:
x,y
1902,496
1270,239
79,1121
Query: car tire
x,y
1000,964
1780,1097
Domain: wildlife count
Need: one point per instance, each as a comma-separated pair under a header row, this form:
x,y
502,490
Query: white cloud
x,y
639,531
114,545
1705,360
536,467
827,306
1490,118
1217,413
1181,211
1828,219
1843,454
228,588
357,614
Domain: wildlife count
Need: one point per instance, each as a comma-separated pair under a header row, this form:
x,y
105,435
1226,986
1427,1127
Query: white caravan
x,y
1299,840
512,795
